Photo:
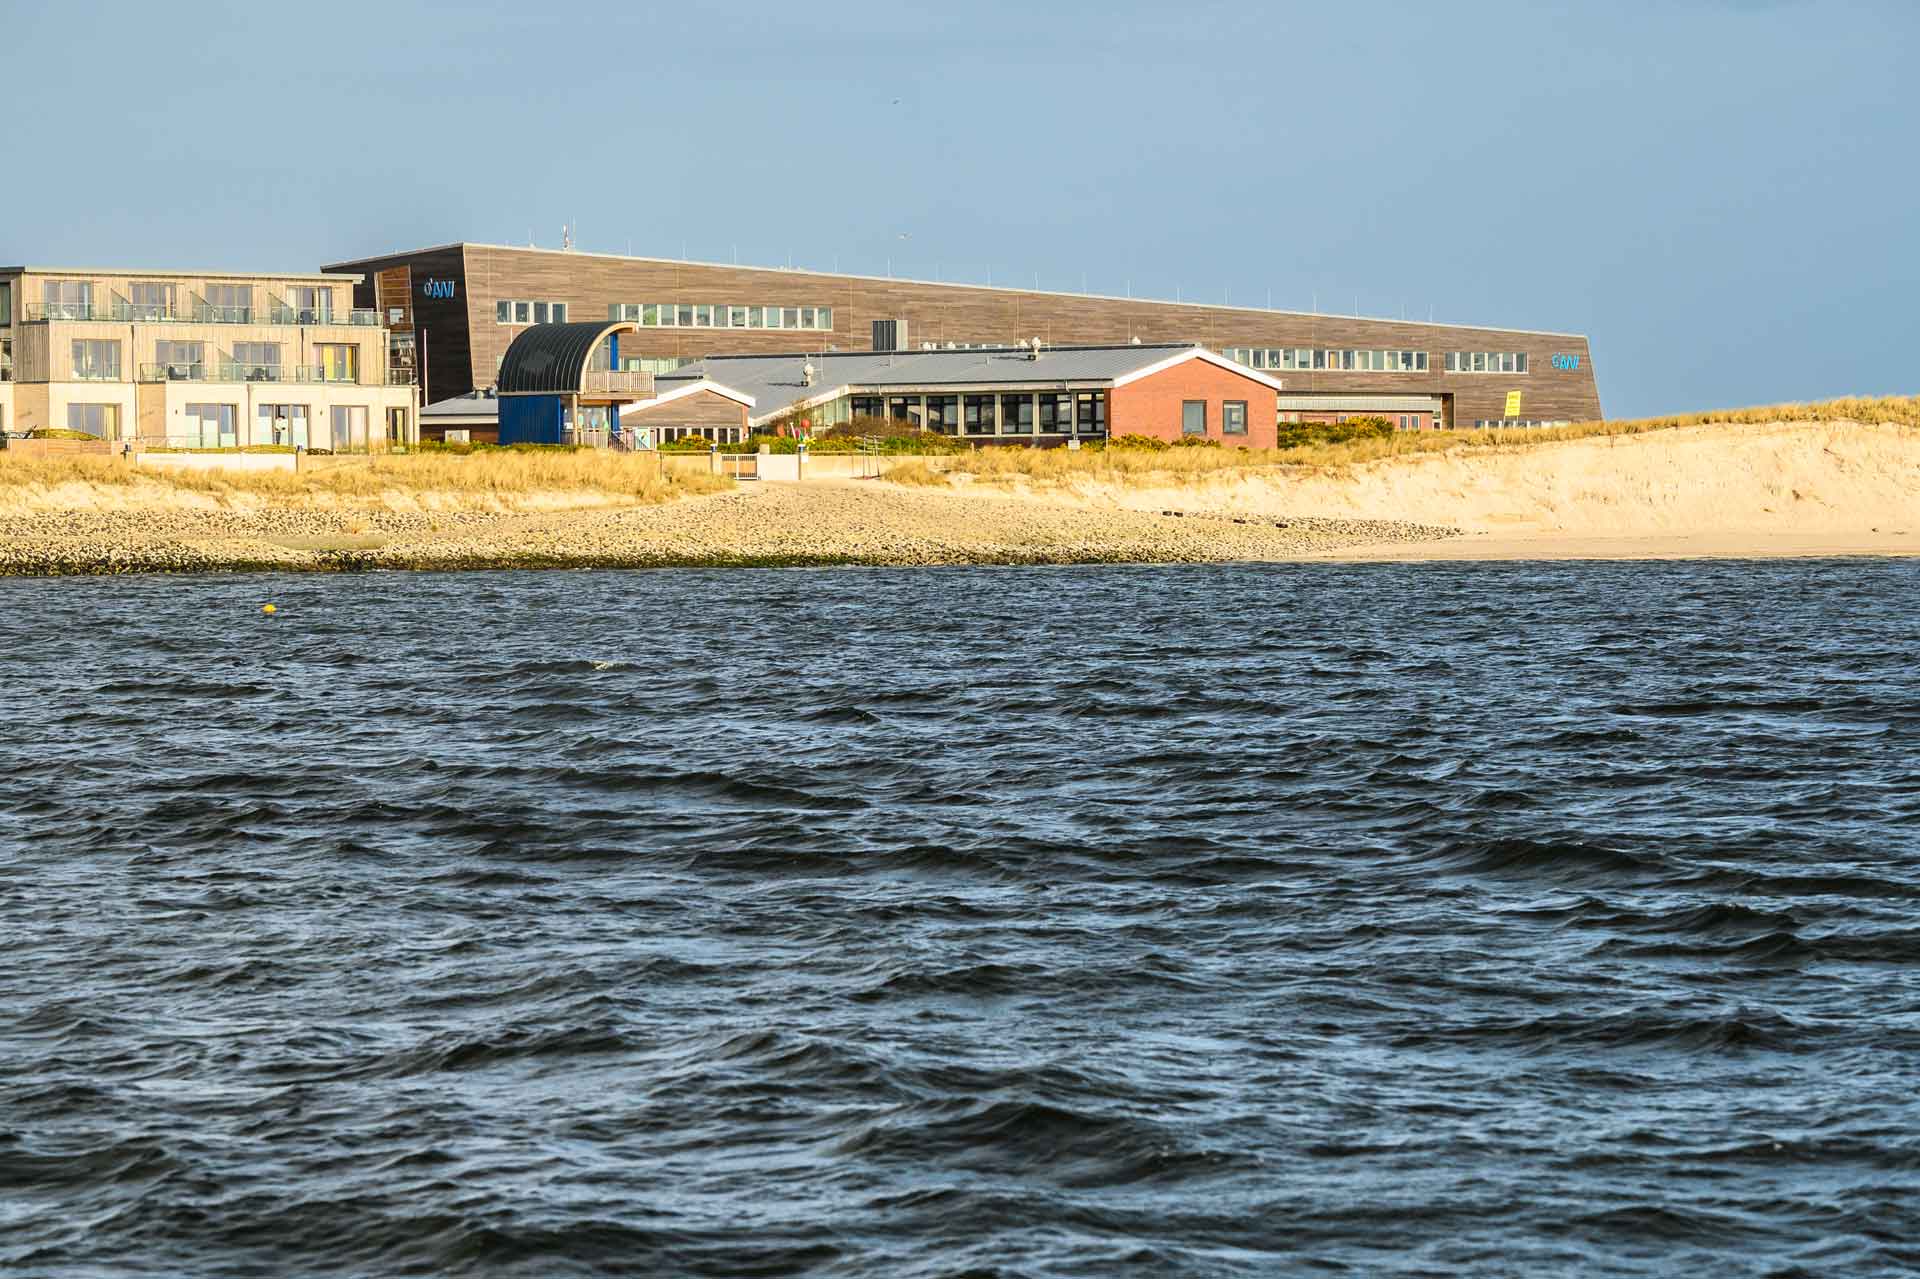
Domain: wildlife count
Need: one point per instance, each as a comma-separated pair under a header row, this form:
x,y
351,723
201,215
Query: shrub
x,y
58,433
1196,442
1293,435
1138,442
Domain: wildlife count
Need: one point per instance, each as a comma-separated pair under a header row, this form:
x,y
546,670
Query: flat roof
x,y
953,284
315,277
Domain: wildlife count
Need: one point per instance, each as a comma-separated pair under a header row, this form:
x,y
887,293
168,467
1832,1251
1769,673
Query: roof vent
x,y
1136,340
1033,351
806,373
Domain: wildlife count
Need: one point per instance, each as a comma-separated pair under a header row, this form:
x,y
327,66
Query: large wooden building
x,y
463,304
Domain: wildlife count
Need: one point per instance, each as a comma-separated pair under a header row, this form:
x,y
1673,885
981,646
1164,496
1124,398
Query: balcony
x,y
304,373
315,316
40,312
173,372
96,373
400,377
615,382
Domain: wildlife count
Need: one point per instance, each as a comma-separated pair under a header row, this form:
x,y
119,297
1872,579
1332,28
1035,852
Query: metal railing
x,y
400,377
173,372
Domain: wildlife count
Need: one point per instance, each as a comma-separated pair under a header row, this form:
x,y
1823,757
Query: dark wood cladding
x,y
941,313
440,324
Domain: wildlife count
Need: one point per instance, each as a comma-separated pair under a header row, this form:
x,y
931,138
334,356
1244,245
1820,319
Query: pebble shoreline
x,y
769,526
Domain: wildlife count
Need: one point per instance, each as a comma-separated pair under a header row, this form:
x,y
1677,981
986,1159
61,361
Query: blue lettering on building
x,y
438,288
1567,362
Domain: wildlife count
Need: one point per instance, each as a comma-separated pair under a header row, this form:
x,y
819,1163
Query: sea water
x,y
1385,920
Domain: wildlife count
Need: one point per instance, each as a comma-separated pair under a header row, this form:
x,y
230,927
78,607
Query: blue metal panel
x,y
530,419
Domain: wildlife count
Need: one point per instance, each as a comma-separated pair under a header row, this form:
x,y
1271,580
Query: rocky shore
x,y
815,524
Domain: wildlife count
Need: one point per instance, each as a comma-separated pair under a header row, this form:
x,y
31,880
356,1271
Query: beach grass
x,y
482,478
1176,465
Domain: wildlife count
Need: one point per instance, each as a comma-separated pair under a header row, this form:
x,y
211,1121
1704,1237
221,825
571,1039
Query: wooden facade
x,y
463,342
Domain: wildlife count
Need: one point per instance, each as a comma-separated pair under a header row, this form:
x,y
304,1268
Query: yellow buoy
x,y
268,609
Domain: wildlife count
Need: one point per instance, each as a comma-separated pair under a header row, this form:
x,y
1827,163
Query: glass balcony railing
x,y
205,314
96,372
400,377
198,313
41,311
234,372
173,372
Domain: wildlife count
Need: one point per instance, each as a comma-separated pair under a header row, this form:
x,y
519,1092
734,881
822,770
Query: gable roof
x,y
683,389
777,383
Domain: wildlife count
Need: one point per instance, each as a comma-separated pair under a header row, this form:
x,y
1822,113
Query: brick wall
x,y
1152,405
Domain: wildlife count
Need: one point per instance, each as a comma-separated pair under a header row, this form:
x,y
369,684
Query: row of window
x,y
1305,359
1193,417
98,360
1486,361
1010,413
519,311
160,300
1502,423
699,315
217,426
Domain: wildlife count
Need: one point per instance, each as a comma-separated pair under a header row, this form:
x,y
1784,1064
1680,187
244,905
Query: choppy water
x,y
1489,920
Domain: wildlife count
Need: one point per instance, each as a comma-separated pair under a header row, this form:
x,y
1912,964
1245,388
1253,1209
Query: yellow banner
x,y
1513,404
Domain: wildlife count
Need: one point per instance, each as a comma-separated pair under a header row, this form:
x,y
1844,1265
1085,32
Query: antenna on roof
x,y
566,237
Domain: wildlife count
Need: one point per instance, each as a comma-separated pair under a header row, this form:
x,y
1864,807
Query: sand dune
x,y
1795,488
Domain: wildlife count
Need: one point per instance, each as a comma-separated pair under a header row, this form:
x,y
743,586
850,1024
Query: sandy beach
x,y
1791,489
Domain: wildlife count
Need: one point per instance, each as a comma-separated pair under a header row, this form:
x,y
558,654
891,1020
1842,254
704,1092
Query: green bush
x,y
1196,442
59,433
1147,442
1293,435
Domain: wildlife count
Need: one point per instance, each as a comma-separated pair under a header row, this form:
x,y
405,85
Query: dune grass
x,y
1186,465
481,479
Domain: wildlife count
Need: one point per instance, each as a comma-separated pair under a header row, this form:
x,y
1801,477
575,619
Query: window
x,y
148,300
943,413
1233,417
539,312
1193,417
701,315
904,408
312,304
180,361
229,304
1016,415
6,303
257,361
1056,413
866,406
339,361
347,430
977,415
503,312
101,421
211,426
69,299
283,424
1090,417
96,360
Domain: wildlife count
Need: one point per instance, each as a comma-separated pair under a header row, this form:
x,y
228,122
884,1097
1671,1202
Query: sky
x,y
1721,194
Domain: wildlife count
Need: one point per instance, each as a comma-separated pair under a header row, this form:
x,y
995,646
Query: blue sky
x,y
1720,193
